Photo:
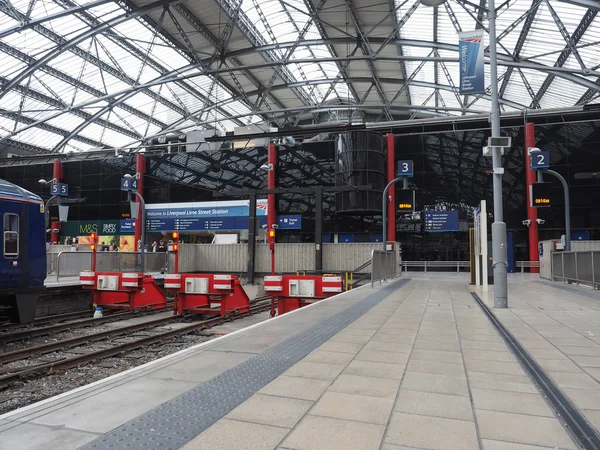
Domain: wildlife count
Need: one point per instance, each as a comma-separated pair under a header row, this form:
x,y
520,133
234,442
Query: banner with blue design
x,y
471,62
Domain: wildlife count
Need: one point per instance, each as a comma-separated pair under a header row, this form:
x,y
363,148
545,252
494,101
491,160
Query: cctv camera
x,y
527,222
540,221
55,230
533,150
275,226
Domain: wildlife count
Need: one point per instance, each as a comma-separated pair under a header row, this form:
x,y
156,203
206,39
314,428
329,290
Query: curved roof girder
x,y
82,37
179,74
26,25
279,67
444,87
144,57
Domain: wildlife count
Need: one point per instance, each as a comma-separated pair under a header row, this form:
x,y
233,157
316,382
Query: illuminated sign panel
x,y
406,200
540,195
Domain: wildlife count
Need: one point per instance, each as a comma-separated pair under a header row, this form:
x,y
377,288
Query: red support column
x,y
140,167
391,174
531,211
272,159
271,212
57,174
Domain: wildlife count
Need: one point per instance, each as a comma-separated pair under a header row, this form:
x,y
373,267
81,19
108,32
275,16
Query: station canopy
x,y
79,75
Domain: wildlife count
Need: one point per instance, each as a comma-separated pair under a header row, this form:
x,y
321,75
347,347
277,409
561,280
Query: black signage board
x,y
406,200
540,195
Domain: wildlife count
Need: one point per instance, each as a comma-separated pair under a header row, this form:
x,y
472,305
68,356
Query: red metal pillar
x,y
391,174
271,184
272,159
140,167
57,174
531,211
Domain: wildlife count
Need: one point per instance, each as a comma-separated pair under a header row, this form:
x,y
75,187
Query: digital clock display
x,y
406,200
540,195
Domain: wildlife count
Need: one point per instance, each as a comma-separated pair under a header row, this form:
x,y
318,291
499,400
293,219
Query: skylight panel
x,y
106,11
6,126
66,121
283,29
7,22
562,92
67,26
10,101
39,10
38,137
9,65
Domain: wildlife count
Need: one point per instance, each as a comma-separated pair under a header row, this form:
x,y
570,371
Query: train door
x,y
11,255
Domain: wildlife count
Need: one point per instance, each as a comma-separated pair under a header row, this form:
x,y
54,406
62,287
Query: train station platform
x,y
414,364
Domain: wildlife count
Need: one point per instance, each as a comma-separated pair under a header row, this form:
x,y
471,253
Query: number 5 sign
x,y
405,168
60,189
539,160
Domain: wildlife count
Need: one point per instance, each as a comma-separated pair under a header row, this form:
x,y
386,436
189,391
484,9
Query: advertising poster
x,y
471,62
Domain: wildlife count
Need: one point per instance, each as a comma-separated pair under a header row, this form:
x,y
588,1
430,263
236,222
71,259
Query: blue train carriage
x,y
23,260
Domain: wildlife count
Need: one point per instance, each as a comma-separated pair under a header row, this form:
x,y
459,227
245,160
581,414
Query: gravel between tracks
x,y
23,393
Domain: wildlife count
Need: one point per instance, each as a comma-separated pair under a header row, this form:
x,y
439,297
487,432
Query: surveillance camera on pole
x,y
527,222
540,221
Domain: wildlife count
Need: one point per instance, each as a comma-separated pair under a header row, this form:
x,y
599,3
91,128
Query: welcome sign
x,y
471,62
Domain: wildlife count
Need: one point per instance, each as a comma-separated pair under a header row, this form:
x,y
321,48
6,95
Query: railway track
x,y
5,327
87,320
10,375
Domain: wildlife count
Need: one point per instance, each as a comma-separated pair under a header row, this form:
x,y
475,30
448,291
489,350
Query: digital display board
x,y
406,200
540,195
441,221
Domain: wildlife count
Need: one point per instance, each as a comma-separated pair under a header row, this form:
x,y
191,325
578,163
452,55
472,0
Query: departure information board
x,y
441,221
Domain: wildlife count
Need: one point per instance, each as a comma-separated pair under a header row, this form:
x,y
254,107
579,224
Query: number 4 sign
x,y
539,160
405,168
129,184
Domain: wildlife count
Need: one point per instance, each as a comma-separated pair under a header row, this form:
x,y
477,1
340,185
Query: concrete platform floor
x,y
424,369
559,325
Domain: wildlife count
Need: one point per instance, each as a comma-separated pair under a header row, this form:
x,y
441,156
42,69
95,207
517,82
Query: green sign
x,y
101,227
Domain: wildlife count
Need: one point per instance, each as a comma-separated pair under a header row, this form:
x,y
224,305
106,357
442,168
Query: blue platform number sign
x,y
60,189
405,168
539,160
129,184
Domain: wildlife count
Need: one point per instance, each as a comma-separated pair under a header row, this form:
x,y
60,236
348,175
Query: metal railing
x,y
69,264
581,267
526,265
435,265
383,266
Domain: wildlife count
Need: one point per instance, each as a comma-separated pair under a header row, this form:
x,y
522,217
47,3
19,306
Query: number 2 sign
x,y
539,160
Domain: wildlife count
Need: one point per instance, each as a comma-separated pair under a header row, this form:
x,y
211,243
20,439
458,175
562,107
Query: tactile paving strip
x,y
176,422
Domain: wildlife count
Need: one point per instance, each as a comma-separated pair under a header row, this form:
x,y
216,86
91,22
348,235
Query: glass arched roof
x,y
77,75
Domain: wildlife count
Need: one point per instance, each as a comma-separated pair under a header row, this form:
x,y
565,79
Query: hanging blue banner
x,y
471,64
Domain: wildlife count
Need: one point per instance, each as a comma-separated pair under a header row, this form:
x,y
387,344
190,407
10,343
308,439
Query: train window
x,y
11,236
